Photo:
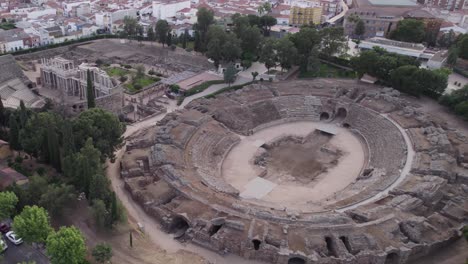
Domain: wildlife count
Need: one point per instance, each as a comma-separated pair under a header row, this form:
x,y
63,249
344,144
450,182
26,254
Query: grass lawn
x,y
116,71
141,83
328,71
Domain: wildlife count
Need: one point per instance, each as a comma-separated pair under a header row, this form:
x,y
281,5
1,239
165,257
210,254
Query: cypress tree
x,y
169,39
114,209
68,139
14,133
2,113
53,147
23,114
90,90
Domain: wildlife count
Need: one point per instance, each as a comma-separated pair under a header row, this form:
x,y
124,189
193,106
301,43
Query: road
x,y
17,254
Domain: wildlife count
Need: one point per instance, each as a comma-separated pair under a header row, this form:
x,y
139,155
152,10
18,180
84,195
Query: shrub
x,y
174,88
188,49
151,72
126,66
173,47
123,78
246,64
41,171
99,62
137,86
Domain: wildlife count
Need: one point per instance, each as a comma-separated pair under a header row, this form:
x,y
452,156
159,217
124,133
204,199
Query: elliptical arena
x,y
321,171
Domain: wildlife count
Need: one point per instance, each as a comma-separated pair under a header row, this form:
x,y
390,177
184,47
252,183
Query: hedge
x,y
201,87
461,72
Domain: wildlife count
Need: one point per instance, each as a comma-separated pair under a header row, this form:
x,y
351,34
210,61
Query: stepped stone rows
x,y
173,171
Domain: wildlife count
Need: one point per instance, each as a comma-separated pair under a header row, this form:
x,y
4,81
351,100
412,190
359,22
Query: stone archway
x,y
324,116
296,260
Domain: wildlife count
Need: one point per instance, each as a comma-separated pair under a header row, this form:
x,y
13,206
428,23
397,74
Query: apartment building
x,y
305,13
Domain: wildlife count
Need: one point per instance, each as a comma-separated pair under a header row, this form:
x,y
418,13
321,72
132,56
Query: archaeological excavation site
x,y
323,171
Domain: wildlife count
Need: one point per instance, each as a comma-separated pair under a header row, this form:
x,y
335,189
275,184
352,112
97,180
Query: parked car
x,y
14,238
3,245
4,227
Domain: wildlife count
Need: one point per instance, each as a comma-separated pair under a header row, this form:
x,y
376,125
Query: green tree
x,y
53,148
103,127
231,49
409,30
462,110
360,29
254,75
197,41
250,40
8,201
402,80
34,135
305,41
66,246
268,53
286,52
205,18
264,8
185,37
230,74
68,144
36,188
169,38
267,22
23,114
102,253
462,45
216,32
14,133
90,90
100,213
447,39
162,28
33,224
313,64
240,23
151,34
57,197
214,51
333,41
452,56
80,167
130,27
99,187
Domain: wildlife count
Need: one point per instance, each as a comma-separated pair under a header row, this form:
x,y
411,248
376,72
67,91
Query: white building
x,y
169,9
68,6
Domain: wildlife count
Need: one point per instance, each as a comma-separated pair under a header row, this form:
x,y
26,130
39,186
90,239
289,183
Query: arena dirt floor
x,y
288,191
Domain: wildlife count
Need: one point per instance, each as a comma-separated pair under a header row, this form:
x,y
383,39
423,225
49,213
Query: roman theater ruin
x,y
322,171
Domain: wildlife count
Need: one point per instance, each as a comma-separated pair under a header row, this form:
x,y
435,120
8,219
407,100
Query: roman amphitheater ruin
x,y
322,171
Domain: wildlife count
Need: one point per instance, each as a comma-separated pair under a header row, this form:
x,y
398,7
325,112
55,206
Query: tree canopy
x,y
102,253
8,201
66,246
33,224
162,28
409,30
102,127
